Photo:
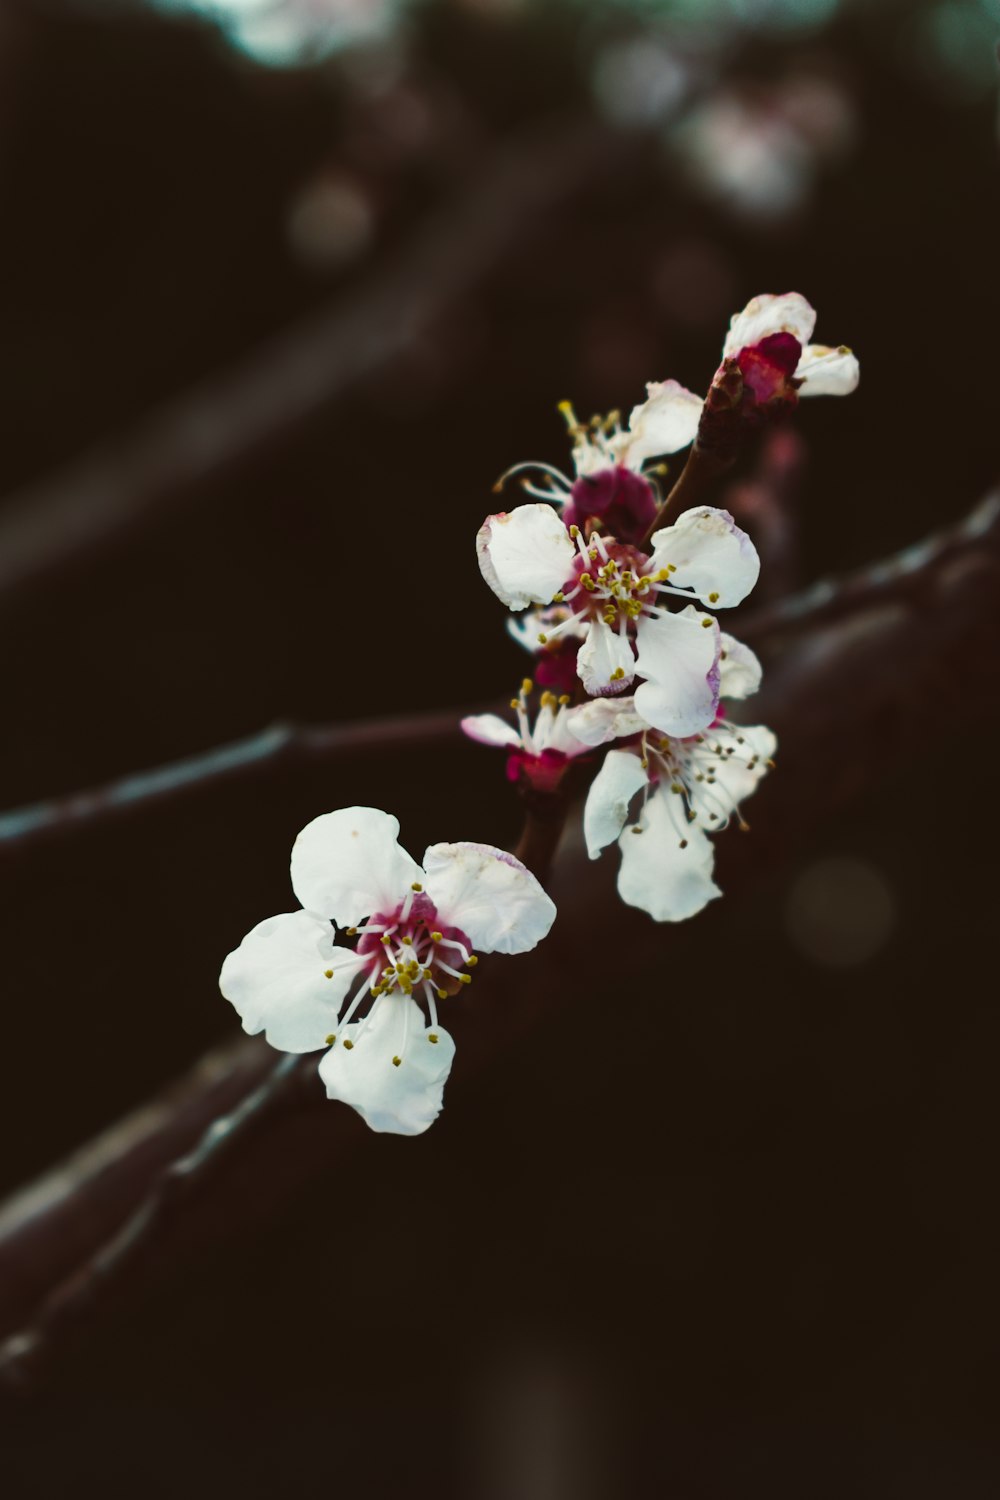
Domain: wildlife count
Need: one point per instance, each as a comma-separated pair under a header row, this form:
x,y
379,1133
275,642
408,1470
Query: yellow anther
x,y
471,961
564,699
618,674
713,598
662,575
527,686
351,931
327,973
671,568
400,968
707,624
386,939
416,886
432,1036
436,937
636,829
396,1061
331,1039
543,640
574,532
442,994
675,786
465,978
348,1045
407,942
515,703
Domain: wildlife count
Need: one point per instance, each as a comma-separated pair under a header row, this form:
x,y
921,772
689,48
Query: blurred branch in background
x,y
180,451
137,1198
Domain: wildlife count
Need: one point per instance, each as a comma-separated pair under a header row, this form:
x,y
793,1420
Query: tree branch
x,y
59,523
288,746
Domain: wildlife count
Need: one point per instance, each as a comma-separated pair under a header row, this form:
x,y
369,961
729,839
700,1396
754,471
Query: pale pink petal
x,y
666,867
288,980
525,555
393,1073
605,662
489,895
665,422
709,554
604,719
828,372
734,778
488,729
739,670
788,312
347,864
606,809
678,655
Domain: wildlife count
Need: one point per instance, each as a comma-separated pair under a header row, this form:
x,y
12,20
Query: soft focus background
x,y
725,1228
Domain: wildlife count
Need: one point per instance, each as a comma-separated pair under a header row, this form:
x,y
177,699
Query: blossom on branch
x,y
539,756
612,594
769,344
691,786
417,929
611,485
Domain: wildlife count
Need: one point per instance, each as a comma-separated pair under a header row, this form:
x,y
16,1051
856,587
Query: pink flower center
x,y
411,948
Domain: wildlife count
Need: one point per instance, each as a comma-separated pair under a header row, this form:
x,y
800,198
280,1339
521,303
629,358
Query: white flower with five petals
x,y
691,786
290,979
612,592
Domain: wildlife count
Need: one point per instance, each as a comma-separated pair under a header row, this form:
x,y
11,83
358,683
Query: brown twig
x,y
901,576
288,746
188,443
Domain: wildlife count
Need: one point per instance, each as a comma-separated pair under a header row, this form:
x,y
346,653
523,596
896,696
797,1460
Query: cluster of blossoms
x,y
632,666
619,612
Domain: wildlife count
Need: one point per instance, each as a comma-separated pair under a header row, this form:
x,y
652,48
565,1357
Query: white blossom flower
x,y
769,340
692,786
289,979
613,591
611,482
538,754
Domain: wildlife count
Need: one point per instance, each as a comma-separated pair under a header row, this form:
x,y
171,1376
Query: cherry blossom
x,y
611,595
539,755
769,342
416,929
611,463
691,786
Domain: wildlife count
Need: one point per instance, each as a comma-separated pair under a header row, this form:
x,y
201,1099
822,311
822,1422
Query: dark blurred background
x,y
728,1231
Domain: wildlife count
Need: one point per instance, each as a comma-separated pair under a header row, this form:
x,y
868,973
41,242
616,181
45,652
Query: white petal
x,y
739,670
657,875
611,791
711,556
276,980
604,719
665,422
678,655
347,864
734,780
602,654
526,628
788,312
828,372
490,895
403,1098
488,729
525,555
